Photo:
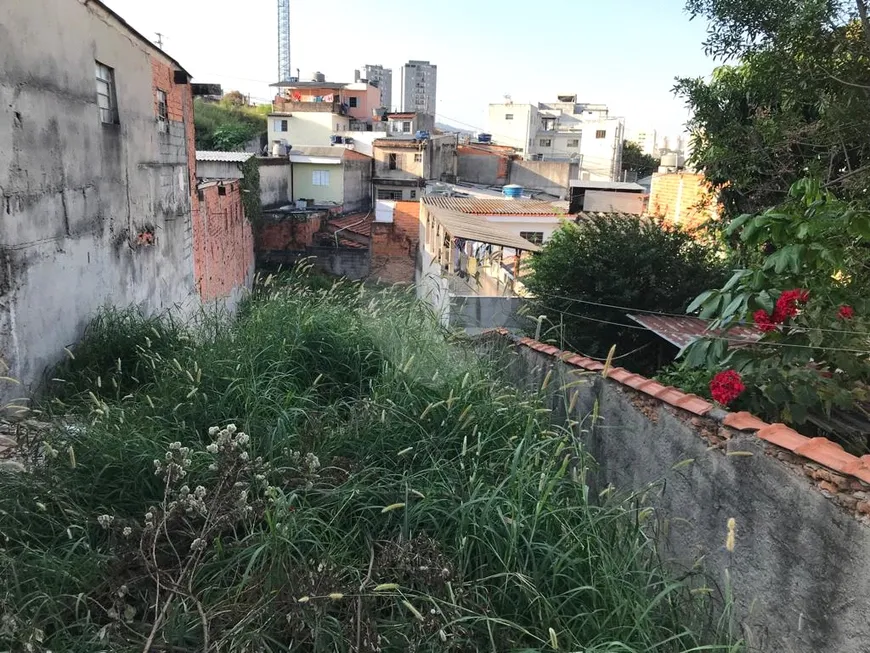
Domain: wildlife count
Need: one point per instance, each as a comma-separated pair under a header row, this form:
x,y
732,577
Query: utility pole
x,y
159,40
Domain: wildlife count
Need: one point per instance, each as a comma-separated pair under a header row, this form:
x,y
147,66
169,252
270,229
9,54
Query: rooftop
x,y
226,157
331,85
479,229
682,331
606,185
479,206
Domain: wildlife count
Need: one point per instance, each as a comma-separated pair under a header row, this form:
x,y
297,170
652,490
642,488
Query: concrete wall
x,y
441,154
478,314
407,167
312,128
218,170
548,176
518,131
518,224
482,167
798,572
357,182
279,233
304,188
614,202
77,194
274,182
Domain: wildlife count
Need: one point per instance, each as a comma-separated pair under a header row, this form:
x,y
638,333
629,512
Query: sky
x,y
623,53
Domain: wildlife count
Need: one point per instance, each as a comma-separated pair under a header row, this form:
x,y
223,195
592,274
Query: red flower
x,y
763,321
846,312
788,303
726,386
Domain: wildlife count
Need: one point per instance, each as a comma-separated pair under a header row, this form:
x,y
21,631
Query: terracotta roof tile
x,y
478,206
744,421
825,452
859,468
694,404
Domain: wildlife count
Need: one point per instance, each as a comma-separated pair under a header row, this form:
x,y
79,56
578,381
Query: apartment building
x,y
419,87
402,166
564,130
383,79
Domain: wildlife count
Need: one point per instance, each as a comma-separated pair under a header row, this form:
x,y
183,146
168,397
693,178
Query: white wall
x,y
307,128
519,224
517,132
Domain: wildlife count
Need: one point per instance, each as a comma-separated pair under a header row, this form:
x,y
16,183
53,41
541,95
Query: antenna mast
x,y
284,71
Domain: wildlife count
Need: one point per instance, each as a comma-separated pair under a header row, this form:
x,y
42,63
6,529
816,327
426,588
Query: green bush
x,y
383,491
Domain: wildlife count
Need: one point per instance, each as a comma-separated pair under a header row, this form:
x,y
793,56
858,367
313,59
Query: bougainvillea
x,y
846,312
726,386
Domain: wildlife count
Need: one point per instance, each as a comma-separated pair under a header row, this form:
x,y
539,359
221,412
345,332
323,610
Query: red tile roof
x,y
682,331
818,450
475,206
358,223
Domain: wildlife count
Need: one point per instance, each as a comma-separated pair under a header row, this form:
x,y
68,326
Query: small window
x,y
406,127
393,161
508,116
573,142
412,194
389,194
353,102
536,237
281,126
418,157
107,98
601,133
222,191
162,107
545,142
320,178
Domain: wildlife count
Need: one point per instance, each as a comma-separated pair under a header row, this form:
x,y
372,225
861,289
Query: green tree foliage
x,y
620,261
793,99
226,126
635,160
813,360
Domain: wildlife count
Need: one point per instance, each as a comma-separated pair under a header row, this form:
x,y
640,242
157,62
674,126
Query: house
x,y
336,178
402,166
532,220
311,113
564,130
499,165
683,198
607,197
98,178
409,123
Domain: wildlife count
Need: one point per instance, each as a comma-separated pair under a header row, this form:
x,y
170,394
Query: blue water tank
x,y
484,138
512,191
421,135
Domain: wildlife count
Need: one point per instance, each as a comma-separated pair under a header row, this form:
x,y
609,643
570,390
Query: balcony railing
x,y
289,106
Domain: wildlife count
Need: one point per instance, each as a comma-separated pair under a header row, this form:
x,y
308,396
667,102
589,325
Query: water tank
x,y
279,149
669,160
421,135
319,77
484,138
512,191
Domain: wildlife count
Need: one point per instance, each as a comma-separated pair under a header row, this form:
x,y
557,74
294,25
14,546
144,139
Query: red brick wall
x,y
223,244
394,246
689,208
289,233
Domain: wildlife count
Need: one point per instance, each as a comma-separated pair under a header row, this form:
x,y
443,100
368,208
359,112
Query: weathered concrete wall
x,y
76,193
352,263
477,314
441,151
798,572
551,177
218,170
274,182
480,167
357,182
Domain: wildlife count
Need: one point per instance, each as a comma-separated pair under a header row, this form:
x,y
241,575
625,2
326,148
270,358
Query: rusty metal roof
x,y
682,331
478,206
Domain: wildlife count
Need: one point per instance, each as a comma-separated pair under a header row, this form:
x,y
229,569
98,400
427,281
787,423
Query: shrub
x,y
622,261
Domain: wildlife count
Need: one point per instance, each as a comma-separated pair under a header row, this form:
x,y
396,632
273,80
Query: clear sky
x,y
624,53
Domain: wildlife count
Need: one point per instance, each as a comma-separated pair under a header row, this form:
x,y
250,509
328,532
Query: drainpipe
x,y
338,231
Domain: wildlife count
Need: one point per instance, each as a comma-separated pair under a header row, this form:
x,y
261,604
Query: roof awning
x,y
479,229
319,160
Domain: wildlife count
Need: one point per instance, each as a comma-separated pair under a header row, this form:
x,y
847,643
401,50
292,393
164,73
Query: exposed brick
x,y
394,246
863,507
689,208
829,487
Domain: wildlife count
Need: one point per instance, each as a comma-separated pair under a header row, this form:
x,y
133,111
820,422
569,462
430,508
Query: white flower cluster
x,y
192,503
228,440
175,464
309,466
105,521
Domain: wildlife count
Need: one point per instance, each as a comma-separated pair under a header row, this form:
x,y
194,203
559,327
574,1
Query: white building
x,y
383,79
564,130
419,87
646,140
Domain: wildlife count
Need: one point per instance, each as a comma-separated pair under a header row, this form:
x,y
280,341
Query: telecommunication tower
x,y
284,41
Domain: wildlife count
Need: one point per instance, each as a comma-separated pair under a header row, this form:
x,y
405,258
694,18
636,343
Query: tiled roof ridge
x,y
817,449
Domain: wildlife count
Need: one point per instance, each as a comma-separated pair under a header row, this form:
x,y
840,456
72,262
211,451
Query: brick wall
x,y
682,198
223,243
394,246
289,232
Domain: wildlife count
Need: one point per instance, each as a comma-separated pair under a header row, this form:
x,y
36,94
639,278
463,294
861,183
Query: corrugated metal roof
x,y
481,230
606,185
223,157
682,331
478,206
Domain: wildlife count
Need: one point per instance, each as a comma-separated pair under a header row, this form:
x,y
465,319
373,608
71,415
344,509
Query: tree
x,y
792,101
623,261
637,161
809,298
234,99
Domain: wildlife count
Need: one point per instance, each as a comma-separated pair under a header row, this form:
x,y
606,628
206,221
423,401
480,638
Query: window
x,y
162,107
222,191
107,98
536,237
320,178
412,194
406,127
393,161
508,116
573,142
545,142
418,157
389,194
601,133
281,126
353,102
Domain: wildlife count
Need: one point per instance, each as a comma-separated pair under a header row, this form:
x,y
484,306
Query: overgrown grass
x,y
388,493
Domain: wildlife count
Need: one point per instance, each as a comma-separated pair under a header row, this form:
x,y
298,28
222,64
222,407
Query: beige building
x,y
402,166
